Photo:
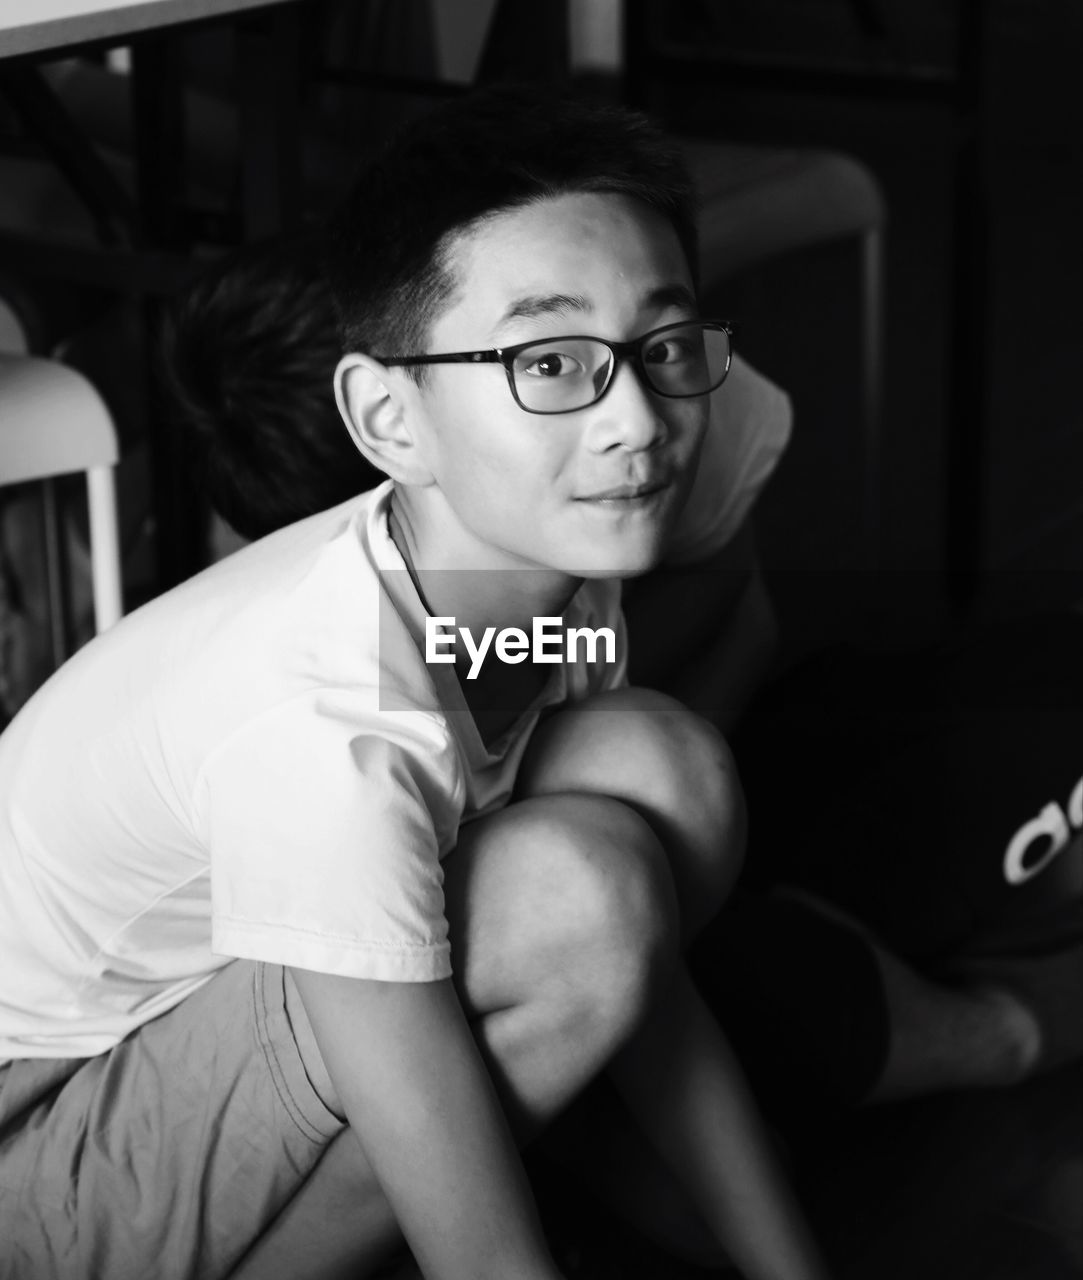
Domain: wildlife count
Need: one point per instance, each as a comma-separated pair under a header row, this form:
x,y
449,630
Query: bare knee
x,y
674,768
625,909
602,933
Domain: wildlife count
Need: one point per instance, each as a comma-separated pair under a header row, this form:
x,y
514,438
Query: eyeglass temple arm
x,y
448,357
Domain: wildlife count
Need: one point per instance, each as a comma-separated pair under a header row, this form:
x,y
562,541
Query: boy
x,y
868,1017
243,833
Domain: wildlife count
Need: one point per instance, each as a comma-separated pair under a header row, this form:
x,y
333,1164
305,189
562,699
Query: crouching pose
x,y
322,883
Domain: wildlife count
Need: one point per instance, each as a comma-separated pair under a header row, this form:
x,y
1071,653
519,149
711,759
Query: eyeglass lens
x,y
571,373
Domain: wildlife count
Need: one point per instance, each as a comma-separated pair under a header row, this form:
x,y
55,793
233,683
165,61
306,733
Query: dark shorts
x,y
936,798
168,1156
934,795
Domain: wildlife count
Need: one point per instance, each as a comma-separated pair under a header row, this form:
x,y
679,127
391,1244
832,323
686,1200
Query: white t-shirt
x,y
257,764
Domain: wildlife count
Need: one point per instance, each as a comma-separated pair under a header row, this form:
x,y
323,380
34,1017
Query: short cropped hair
x,y
247,361
467,160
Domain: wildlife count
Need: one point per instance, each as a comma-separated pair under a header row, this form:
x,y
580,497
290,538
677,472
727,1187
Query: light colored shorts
x,y
167,1157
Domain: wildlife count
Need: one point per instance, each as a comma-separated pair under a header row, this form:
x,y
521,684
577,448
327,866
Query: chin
x,y
620,571
624,562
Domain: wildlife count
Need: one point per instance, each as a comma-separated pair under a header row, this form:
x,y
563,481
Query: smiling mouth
x,y
627,492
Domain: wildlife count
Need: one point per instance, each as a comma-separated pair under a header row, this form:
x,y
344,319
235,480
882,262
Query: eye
x,y
551,364
674,349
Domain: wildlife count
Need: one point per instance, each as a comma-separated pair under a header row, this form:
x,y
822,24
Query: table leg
x,y
967,436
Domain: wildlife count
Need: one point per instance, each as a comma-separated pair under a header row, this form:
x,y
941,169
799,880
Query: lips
x,y
627,492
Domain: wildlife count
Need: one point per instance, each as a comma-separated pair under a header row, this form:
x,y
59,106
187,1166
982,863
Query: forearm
x,y
415,1091
687,1091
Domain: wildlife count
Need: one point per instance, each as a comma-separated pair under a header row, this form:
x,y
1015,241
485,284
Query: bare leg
x,y
561,915
677,1074
561,920
966,1035
650,752
676,771
950,1037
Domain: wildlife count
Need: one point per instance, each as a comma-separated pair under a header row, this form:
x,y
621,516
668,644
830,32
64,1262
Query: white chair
x,y
53,422
758,202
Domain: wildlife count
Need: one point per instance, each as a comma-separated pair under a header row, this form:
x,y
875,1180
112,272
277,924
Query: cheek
x,y
502,484
691,418
689,430
505,461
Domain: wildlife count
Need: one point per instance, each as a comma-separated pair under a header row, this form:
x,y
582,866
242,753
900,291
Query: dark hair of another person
x,y
247,361
467,160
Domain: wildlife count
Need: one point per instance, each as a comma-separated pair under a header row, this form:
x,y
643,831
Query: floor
x,y
981,1187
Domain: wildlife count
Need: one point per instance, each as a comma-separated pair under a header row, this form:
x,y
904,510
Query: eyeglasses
x,y
560,375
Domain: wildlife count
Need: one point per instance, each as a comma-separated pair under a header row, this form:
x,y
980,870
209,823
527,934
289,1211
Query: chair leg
x,y
55,576
104,547
872,370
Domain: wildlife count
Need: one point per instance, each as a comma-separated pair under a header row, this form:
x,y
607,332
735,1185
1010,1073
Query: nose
x,y
628,416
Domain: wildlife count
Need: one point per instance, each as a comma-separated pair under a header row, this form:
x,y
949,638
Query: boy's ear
x,y
372,409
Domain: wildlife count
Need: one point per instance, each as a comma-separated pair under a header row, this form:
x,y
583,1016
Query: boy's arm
x,y
414,1089
704,632
688,1093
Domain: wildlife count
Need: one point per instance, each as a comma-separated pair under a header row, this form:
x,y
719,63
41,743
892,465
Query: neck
x,y
477,585
478,598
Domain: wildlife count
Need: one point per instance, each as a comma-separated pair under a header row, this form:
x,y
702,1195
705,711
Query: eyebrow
x,y
673,295
550,304
534,306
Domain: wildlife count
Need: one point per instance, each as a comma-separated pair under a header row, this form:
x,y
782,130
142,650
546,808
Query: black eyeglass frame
x,y
631,350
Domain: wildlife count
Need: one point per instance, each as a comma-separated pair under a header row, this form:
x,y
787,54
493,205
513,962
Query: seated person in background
x,y
248,359
244,834
866,1009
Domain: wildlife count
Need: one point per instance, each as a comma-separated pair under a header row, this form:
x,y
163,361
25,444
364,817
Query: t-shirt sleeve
x,y
749,428
326,822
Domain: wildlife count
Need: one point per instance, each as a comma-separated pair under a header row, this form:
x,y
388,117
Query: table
x,y
48,26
